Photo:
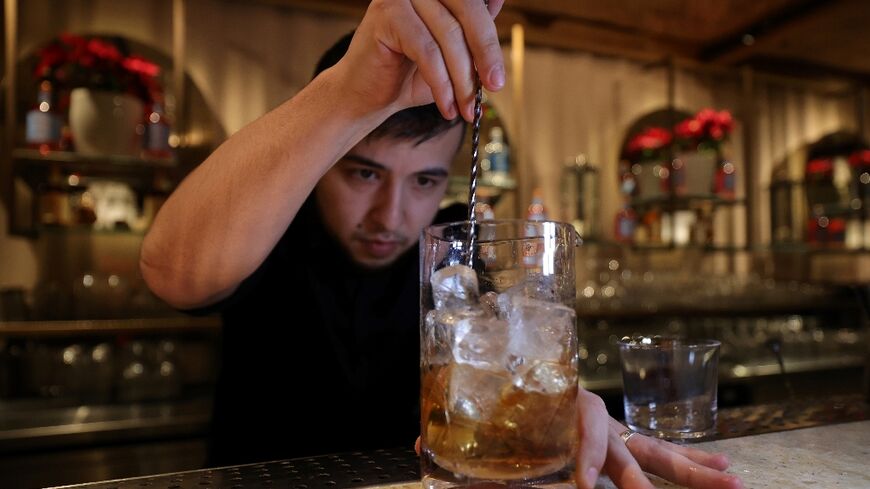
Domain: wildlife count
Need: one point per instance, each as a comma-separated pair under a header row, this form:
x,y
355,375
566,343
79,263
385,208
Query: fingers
x,y
621,466
663,460
416,41
447,31
593,436
718,461
467,37
495,7
447,39
482,39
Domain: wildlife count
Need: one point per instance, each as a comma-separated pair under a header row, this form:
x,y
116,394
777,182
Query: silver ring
x,y
626,435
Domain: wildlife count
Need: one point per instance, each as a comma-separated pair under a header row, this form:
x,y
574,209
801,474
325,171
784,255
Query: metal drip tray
x,y
355,469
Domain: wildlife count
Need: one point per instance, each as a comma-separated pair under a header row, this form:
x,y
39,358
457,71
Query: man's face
x,y
378,198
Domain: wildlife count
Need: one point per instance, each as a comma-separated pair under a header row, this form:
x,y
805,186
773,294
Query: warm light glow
x,y
43,106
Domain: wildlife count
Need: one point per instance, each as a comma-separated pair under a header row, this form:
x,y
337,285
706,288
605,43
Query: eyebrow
x,y
361,160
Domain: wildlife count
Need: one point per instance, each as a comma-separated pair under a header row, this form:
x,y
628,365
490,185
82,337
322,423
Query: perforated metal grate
x,y
356,469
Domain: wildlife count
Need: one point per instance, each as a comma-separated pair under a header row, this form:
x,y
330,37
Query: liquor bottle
x,y
677,175
54,201
652,221
627,180
154,198
156,143
498,153
625,223
854,239
533,249
725,180
536,210
43,124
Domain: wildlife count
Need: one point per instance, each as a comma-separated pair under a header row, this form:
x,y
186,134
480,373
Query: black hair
x,y
418,124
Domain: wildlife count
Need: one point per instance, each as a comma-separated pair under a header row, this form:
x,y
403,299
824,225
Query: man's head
x,y
377,199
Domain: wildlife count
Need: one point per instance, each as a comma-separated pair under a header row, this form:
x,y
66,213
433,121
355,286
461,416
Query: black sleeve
x,y
249,284
452,213
239,294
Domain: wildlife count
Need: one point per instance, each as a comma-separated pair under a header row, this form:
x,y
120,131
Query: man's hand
x,y
625,463
413,52
602,447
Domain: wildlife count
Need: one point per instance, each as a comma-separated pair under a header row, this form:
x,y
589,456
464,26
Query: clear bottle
x,y
625,223
725,180
156,144
43,124
498,153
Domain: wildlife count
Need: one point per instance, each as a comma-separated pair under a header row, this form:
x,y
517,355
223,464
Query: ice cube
x,y
489,303
439,332
540,330
536,286
481,342
532,422
454,286
546,377
475,393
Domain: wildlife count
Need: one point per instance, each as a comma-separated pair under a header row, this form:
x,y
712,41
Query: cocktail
x,y
499,358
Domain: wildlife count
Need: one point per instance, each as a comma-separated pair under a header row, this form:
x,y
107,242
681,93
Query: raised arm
x,y
227,215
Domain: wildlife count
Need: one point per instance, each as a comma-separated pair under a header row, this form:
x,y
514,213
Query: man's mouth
x,y
379,248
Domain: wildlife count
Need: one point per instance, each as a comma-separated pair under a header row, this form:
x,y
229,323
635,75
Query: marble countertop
x,y
834,456
823,457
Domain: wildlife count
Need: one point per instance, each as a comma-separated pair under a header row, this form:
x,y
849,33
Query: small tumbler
x,y
670,386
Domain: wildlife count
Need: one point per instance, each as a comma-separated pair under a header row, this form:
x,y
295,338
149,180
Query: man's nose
x,y
386,213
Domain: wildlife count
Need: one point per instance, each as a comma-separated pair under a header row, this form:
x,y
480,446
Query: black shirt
x,y
319,355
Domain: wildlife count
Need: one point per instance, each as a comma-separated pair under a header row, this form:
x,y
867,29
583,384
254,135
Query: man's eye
x,y
425,182
366,174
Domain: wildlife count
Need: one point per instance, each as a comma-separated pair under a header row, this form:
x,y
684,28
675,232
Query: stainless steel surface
x,y
91,327
390,467
356,469
31,426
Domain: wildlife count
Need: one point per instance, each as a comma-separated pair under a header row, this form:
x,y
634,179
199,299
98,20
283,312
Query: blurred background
x,y
713,155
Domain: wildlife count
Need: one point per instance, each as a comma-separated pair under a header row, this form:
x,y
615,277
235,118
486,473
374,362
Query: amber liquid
x,y
524,436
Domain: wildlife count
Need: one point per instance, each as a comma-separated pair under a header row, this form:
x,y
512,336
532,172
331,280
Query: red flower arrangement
x,y
860,158
820,166
649,143
72,61
706,127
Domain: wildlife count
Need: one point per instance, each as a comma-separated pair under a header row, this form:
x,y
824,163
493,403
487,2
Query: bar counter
x,y
807,444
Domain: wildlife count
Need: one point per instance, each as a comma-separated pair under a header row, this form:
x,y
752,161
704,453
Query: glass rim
x,y
635,342
427,231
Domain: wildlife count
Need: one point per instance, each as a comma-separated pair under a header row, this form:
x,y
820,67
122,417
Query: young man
x,y
302,229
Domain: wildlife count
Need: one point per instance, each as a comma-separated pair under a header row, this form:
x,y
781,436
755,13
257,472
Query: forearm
x,y
228,214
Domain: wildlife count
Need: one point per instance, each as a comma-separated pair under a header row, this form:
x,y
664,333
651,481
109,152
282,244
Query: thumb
x,y
592,427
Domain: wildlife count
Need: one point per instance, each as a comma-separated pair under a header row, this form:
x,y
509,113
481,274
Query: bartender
x,y
302,228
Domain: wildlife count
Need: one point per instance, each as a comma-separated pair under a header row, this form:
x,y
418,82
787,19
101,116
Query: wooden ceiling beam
x,y
548,24
345,8
572,35
787,21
